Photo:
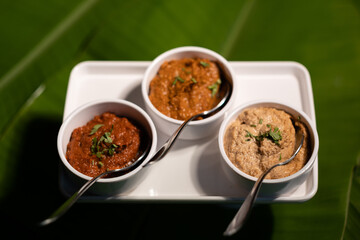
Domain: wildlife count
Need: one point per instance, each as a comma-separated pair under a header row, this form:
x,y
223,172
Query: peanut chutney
x,y
106,142
185,87
262,137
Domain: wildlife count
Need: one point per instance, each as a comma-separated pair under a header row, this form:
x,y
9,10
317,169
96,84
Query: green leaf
x,y
99,155
95,128
42,41
107,137
177,78
204,64
214,87
275,135
352,218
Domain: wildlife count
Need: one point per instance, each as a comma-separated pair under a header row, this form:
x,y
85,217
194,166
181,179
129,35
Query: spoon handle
x,y
68,203
156,157
243,213
168,144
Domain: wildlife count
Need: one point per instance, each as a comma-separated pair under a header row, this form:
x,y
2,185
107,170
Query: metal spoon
x,y
68,203
241,216
157,156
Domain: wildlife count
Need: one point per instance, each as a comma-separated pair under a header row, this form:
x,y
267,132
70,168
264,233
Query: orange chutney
x,y
185,87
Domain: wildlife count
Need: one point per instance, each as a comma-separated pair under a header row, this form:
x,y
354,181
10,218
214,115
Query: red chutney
x,y
106,142
185,87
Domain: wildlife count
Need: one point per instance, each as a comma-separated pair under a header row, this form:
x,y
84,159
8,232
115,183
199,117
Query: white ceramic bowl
x,y
84,114
270,187
195,129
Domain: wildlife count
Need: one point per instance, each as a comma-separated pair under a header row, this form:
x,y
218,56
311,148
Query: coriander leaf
x,y
214,87
104,146
177,78
111,151
95,128
93,146
276,135
273,135
99,155
204,64
186,71
107,137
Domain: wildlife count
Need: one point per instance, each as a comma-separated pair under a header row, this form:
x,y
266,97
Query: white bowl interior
x,y
278,105
85,113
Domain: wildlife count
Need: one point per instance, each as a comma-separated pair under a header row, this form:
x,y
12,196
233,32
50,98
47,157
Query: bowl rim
x,y
94,103
235,112
184,49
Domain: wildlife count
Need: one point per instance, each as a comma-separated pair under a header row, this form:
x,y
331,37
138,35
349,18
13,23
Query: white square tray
x,y
191,171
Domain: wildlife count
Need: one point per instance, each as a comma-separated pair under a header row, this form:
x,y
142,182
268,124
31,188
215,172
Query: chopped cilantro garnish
x,y
214,87
95,128
186,71
177,78
204,64
103,146
273,135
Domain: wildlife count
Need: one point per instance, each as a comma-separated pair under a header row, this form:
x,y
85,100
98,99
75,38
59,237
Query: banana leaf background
x,y
41,41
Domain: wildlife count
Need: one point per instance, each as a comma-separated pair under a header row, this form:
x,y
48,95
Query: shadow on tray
x,y
35,194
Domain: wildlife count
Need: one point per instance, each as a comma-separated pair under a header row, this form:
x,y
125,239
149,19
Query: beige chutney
x,y
262,137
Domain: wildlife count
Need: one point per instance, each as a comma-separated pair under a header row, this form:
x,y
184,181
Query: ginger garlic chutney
x,y
106,142
185,87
